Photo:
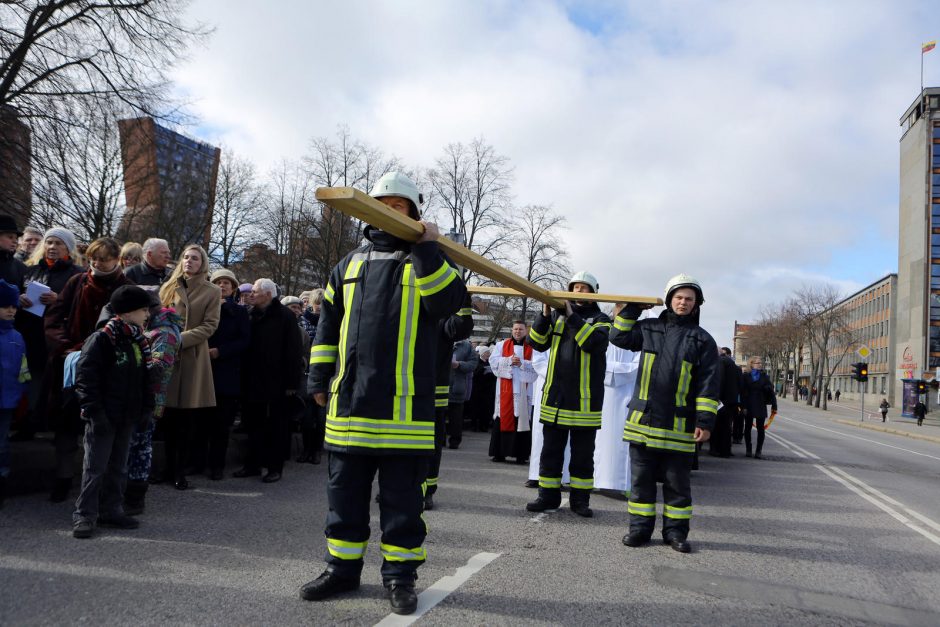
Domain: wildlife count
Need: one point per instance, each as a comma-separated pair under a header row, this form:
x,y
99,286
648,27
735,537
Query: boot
x,y
134,497
579,501
757,453
428,501
547,499
401,594
678,543
635,539
60,490
328,584
748,452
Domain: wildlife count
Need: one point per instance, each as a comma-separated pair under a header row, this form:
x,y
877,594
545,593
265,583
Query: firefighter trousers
x,y
580,467
674,469
401,499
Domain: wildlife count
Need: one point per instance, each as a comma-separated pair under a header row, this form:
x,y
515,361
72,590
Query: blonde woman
x,y
132,254
756,394
191,393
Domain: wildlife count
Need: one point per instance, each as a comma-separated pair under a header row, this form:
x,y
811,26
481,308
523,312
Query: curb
x,y
916,436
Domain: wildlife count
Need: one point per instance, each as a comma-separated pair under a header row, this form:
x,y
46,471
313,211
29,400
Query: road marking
x,y
874,496
219,493
541,516
440,590
849,435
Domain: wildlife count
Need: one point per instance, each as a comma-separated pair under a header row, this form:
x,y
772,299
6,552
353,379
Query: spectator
x,y
190,396
114,393
53,263
756,393
272,375
12,270
313,422
68,322
245,297
483,392
153,270
28,243
462,367
13,374
226,348
131,254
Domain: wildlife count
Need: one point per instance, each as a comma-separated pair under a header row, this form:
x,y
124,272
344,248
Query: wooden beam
x,y
358,204
594,298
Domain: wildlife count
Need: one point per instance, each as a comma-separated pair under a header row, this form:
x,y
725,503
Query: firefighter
x,y
372,366
674,406
573,395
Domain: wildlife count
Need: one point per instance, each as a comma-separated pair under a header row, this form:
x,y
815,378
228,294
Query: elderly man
x,y
272,372
153,269
28,243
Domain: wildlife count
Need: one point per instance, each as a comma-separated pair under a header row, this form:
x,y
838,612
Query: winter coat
x,y
466,359
14,372
376,344
678,381
64,331
231,338
757,395
164,332
143,274
111,380
274,360
573,393
451,329
12,270
730,382
198,303
30,325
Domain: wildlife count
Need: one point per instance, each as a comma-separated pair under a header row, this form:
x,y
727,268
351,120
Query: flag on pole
x,y
928,46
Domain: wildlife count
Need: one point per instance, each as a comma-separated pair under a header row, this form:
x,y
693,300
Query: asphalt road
x,y
835,526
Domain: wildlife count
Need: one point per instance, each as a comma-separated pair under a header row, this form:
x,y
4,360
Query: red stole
x,y
507,408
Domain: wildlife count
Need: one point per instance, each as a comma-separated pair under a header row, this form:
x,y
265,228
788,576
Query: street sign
x,y
863,351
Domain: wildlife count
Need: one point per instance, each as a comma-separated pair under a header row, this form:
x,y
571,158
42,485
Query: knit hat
x,y
287,301
63,234
128,298
244,287
9,295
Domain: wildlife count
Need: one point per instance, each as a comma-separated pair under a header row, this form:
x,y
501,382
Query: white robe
x,y
524,375
535,454
611,453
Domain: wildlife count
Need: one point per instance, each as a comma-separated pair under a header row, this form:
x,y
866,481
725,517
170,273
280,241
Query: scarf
x,y
507,407
755,375
116,329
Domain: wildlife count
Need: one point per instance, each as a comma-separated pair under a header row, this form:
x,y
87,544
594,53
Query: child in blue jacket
x,y
13,374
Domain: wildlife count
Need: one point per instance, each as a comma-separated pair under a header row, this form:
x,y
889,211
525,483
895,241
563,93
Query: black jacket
x,y
573,394
111,381
142,274
231,337
677,384
730,382
12,270
30,325
757,395
454,328
273,363
376,345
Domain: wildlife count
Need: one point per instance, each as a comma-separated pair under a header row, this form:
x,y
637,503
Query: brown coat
x,y
198,302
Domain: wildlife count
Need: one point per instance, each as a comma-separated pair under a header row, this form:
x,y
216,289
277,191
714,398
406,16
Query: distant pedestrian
x,y
884,409
838,394
756,393
920,410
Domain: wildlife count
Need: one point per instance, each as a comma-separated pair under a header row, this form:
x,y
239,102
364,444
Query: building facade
x,y
16,192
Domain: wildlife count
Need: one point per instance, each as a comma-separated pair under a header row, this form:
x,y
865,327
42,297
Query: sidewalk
x,y
849,413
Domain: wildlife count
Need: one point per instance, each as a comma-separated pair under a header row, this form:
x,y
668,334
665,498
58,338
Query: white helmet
x,y
586,278
683,280
398,184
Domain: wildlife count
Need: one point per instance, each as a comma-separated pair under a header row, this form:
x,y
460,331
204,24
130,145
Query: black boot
x,y
636,538
134,497
326,585
60,490
678,543
401,594
579,501
428,501
547,499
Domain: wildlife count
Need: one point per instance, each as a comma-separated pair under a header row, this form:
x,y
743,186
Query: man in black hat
x,y
12,270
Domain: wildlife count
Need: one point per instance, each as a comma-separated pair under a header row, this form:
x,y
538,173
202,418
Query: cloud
x,y
750,144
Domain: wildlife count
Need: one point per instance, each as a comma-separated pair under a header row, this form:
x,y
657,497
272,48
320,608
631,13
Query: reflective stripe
x,y
349,291
407,336
622,324
550,377
379,442
582,484
642,509
442,389
441,402
24,375
379,425
706,405
431,481
585,382
583,333
549,482
466,311
323,354
537,337
646,375
393,553
436,281
680,424
375,433
658,443
329,292
655,432
345,550
678,513
685,378
568,418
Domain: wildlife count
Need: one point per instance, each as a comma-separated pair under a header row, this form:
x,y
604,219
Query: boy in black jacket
x,y
113,391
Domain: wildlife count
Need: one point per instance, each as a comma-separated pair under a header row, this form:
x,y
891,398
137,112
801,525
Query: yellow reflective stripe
x,y
635,416
661,433
666,445
349,291
323,354
685,379
378,442
436,281
441,402
581,483
537,337
646,375
329,292
24,375
393,553
407,336
431,481
441,389
466,311
344,550
550,377
583,333
380,425
680,425
585,382
549,482
642,509
622,324
678,513
706,405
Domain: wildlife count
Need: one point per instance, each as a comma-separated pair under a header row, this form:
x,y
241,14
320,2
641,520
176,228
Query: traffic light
x,y
854,372
862,371
921,386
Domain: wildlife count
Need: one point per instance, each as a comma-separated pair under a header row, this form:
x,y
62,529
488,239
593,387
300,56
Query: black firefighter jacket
x,y
678,382
573,394
376,344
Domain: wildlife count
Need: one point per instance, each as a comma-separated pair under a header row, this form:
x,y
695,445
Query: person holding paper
x,y
512,363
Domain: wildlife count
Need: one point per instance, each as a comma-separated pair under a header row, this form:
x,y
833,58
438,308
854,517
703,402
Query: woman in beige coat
x,y
191,392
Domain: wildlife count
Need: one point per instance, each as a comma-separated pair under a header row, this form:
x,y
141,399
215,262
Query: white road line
x,y
440,590
220,493
849,435
870,494
541,516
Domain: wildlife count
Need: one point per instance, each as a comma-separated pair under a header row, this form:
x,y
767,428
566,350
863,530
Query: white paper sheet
x,y
33,291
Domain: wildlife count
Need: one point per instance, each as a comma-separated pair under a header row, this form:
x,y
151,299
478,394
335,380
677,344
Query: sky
x,y
753,145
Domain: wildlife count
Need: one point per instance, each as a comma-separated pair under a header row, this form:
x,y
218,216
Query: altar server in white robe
x,y
611,453
541,369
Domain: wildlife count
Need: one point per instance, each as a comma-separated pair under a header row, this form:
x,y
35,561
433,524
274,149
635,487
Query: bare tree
x,y
823,322
289,219
540,253
238,209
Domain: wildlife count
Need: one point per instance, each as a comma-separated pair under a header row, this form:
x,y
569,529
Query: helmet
x,y
683,280
584,277
224,273
397,184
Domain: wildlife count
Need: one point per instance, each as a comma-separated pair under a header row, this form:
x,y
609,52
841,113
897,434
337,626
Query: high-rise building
x,y
15,173
917,350
169,184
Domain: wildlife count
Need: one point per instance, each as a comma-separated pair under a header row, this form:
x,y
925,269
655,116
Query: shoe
x,y
181,484
428,502
635,539
241,473
60,490
499,460
402,596
532,483
216,474
326,585
582,509
271,477
135,495
678,543
118,521
83,529
317,455
540,505
757,455
748,454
